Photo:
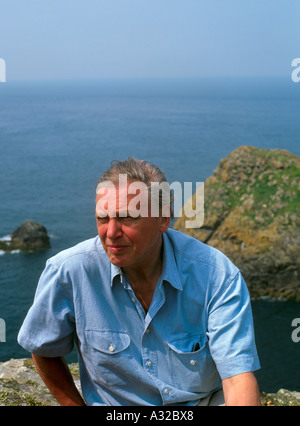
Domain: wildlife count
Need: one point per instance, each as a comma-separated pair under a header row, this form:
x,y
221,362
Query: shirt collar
x,y
169,273
117,272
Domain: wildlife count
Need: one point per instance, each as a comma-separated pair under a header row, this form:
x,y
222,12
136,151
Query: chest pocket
x,y
109,356
193,368
108,342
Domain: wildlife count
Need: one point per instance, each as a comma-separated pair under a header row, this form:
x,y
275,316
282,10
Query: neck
x,y
143,279
146,275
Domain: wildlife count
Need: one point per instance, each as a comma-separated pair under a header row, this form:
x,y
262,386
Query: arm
x,y
241,389
57,377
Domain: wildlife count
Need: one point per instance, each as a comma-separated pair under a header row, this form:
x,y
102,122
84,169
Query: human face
x,y
129,242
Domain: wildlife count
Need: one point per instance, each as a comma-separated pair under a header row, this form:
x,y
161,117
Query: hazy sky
x,y
42,39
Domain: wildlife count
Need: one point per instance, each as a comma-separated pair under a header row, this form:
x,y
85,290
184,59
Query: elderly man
x,y
157,317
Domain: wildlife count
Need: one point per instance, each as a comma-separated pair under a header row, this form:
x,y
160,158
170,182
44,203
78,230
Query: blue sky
x,y
82,39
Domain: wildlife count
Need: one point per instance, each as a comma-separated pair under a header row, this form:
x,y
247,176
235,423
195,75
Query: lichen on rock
x,y
21,385
283,398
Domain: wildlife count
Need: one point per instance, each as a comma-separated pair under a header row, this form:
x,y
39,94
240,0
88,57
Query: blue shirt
x,y
198,329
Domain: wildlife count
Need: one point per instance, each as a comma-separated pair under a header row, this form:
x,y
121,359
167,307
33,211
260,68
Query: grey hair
x,y
137,171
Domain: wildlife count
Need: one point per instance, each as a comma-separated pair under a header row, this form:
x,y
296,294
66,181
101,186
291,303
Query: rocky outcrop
x,y
21,385
283,398
29,236
252,214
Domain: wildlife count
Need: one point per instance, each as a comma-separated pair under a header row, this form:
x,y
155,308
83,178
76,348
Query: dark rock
x,y
29,236
5,246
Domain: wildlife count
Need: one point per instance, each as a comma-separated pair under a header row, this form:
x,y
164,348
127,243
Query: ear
x,y
164,224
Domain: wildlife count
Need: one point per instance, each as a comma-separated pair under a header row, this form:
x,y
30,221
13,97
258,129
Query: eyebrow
x,y
120,214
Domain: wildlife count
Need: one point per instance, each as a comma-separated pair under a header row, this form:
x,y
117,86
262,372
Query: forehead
x,y
131,198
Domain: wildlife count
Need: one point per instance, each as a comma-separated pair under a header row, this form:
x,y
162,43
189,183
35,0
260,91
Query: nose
x,y
114,229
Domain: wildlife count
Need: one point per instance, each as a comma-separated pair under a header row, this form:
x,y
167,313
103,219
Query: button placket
x,y
148,359
136,303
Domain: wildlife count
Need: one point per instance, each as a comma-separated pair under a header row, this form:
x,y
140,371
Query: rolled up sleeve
x,y
230,329
48,329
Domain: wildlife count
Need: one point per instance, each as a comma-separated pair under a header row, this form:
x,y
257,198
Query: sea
x,y
57,137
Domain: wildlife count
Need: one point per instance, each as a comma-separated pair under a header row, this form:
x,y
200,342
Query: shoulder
x,y
200,256
83,252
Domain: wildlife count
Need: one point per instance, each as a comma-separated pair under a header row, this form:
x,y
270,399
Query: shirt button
x,y
133,299
149,363
148,330
166,391
111,348
192,362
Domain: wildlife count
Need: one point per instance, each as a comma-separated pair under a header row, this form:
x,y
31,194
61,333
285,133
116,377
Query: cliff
x,y
252,214
21,385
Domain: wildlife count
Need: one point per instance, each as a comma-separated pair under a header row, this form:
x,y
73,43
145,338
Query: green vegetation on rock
x,y
252,214
21,385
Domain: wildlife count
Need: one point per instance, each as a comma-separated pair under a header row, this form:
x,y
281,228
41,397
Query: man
x,y
157,317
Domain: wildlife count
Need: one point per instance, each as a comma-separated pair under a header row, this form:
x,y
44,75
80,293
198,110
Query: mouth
x,y
117,248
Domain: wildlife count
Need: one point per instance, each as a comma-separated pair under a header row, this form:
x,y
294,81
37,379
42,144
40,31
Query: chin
x,y
118,261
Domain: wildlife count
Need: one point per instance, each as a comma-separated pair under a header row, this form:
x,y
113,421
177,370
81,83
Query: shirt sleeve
x,y
230,329
48,329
